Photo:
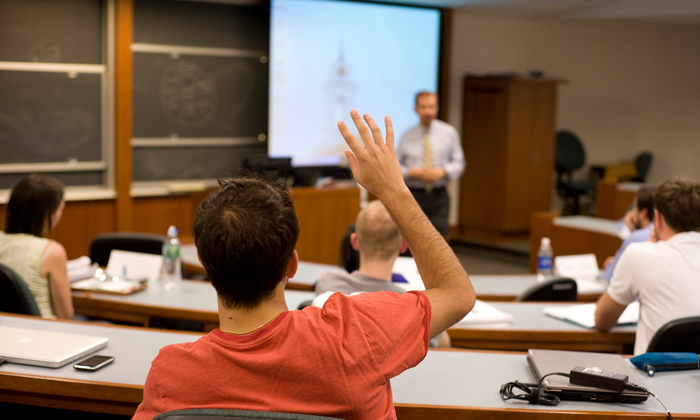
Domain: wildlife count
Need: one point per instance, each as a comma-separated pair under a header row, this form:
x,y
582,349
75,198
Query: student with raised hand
x,y
35,208
376,168
332,361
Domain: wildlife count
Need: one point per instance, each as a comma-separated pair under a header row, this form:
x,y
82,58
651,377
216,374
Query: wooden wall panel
x,y
156,214
81,221
323,218
124,113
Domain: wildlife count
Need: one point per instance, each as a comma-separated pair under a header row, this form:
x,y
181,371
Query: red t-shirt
x,y
333,361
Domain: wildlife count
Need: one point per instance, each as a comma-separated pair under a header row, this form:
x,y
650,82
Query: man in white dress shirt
x,y
431,155
664,274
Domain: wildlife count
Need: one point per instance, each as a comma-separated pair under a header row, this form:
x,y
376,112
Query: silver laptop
x,y
543,362
46,348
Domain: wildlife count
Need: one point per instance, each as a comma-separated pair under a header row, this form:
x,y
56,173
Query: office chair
x,y
642,163
221,413
679,335
15,296
560,289
571,156
146,243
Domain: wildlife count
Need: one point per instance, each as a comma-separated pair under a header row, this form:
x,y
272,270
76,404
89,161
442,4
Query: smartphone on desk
x,y
93,363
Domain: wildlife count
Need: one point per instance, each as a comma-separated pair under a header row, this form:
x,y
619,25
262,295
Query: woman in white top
x,y
34,209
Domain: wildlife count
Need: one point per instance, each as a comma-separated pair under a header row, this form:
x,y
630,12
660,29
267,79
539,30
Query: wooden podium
x,y
508,140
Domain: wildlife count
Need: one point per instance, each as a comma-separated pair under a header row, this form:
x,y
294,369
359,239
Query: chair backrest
x,y
560,289
570,154
679,335
642,163
220,413
15,296
349,258
146,243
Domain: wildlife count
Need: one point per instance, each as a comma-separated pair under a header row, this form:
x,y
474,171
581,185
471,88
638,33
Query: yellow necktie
x,y
428,162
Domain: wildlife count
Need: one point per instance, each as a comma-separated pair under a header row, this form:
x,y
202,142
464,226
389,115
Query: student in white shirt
x,y
663,274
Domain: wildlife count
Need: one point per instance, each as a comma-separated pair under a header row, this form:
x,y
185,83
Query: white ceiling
x,y
678,11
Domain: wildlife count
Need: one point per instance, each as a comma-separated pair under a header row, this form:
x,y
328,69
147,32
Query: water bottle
x,y
172,263
544,259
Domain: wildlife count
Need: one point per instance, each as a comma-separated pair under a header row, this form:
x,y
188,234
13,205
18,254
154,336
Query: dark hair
x,y
33,200
645,201
678,199
245,233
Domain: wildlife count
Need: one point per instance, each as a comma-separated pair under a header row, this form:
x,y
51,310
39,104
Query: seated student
x,y
639,220
35,207
379,242
333,361
663,275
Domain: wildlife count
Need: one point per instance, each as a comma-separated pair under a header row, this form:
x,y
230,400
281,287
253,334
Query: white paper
x,y
583,267
584,315
406,266
80,268
134,265
484,313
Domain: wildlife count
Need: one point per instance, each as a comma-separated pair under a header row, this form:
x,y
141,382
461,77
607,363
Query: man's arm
x,y
607,312
376,168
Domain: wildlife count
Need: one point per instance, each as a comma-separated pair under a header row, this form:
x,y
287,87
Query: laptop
x,y
46,348
543,362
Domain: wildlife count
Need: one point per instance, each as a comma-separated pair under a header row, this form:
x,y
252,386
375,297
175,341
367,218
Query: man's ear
x,y
403,247
355,242
292,265
199,258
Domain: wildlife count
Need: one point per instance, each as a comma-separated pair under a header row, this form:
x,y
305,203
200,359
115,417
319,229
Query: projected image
x,y
328,57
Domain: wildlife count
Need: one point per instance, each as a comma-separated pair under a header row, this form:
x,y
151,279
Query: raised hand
x,y
373,165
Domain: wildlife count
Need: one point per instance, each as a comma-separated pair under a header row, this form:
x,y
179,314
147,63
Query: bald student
x,y
379,242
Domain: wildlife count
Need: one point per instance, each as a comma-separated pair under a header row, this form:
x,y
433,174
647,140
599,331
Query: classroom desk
x,y
573,235
192,301
487,287
445,385
531,328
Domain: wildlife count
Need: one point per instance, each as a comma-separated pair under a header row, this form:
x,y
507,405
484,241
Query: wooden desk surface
x,y
445,385
531,328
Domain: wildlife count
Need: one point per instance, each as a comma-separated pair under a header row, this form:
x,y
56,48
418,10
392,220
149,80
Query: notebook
x,y
584,314
46,348
543,362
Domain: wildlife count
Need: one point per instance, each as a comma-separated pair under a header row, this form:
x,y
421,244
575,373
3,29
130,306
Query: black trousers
x,y
435,205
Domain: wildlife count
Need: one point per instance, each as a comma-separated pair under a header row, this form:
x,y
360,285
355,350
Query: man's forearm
x,y
436,261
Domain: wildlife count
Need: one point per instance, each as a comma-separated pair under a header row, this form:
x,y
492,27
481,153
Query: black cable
x,y
532,393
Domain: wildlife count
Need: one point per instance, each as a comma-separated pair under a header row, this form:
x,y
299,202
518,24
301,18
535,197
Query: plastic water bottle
x,y
172,263
544,259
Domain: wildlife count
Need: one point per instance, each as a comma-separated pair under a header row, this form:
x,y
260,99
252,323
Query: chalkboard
x,y
199,96
156,164
203,95
62,31
200,24
49,117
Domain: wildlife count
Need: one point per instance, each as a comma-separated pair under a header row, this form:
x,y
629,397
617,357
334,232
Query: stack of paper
x,y
80,268
483,313
584,315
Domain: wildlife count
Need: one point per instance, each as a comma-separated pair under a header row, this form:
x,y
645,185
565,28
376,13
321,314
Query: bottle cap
x,y
172,231
545,241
